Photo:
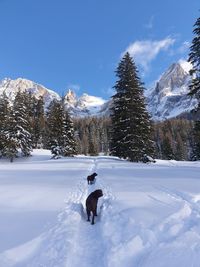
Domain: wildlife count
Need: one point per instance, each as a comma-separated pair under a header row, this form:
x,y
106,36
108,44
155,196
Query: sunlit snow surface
x,y
149,215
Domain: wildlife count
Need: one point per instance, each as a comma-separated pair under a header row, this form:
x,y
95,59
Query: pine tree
x,y
38,123
52,126
95,129
4,113
196,137
167,149
12,141
21,124
59,128
70,145
194,59
180,149
131,126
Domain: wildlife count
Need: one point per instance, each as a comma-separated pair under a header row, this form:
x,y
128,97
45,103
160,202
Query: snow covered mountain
x,y
85,105
169,97
11,87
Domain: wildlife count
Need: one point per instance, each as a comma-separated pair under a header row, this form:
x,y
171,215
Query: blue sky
x,y
78,43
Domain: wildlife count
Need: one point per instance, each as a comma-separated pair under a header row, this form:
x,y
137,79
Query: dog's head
x,y
94,174
98,193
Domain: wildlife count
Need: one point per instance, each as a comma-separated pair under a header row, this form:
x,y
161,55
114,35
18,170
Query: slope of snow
x,y
148,216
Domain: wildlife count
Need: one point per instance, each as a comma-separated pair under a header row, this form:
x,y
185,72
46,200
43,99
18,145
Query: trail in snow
x,y
73,241
88,247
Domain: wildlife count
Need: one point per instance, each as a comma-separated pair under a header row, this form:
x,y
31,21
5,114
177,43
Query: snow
x,y
187,66
149,215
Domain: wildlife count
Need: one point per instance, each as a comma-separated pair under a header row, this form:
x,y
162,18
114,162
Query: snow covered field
x,y
149,215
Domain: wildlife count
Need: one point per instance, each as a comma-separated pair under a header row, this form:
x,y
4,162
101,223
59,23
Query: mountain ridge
x,y
167,99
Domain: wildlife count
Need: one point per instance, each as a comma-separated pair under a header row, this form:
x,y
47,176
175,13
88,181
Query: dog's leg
x,y
95,212
92,218
88,214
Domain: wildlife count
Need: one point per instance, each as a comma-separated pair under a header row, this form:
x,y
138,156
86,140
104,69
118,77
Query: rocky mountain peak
x,y
174,78
170,96
70,97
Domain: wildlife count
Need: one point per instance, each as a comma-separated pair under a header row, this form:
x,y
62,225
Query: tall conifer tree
x,y
21,124
38,122
196,137
71,145
59,128
194,59
131,126
11,146
4,113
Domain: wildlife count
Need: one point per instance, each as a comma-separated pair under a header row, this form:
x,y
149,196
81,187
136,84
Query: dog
x,y
91,203
91,178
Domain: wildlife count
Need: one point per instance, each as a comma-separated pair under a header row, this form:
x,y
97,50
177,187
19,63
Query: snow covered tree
x,y
38,122
194,59
4,113
11,145
131,127
59,129
21,126
70,145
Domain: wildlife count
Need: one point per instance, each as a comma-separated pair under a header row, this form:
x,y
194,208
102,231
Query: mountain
x,y
169,97
85,105
11,87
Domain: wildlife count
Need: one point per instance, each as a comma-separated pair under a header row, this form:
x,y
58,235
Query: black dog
x,y
91,178
91,203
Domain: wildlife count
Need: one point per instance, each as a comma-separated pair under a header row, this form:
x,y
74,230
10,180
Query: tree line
x,y
172,139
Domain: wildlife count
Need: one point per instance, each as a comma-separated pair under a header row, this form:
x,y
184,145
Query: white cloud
x,y
143,52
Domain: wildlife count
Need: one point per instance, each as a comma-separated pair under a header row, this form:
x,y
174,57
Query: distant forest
x,y
173,138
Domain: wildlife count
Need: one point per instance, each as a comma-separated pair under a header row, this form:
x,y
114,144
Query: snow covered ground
x,y
149,215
